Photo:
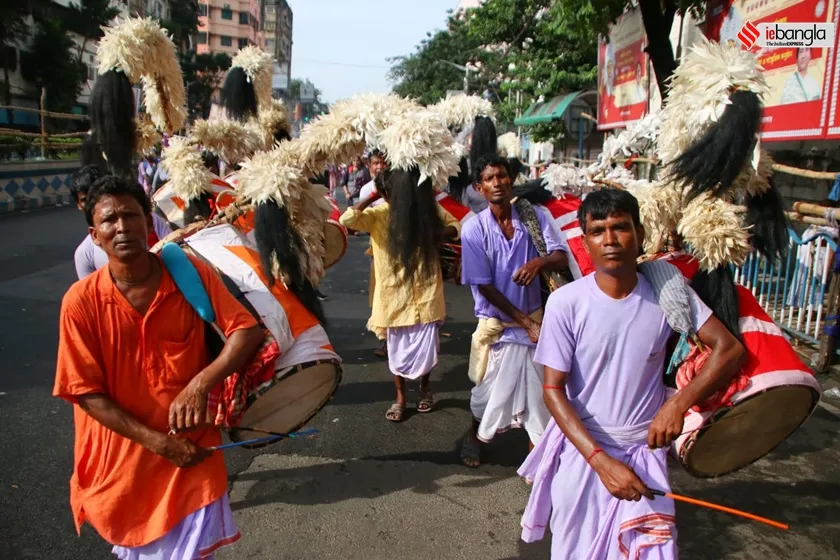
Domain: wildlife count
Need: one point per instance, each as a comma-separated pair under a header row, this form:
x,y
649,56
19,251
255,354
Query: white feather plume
x,y
562,179
420,138
187,174
257,66
509,145
372,113
141,49
461,110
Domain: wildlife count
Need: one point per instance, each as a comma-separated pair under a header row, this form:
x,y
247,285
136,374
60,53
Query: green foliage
x,y
523,49
203,75
424,76
13,30
54,66
182,23
86,18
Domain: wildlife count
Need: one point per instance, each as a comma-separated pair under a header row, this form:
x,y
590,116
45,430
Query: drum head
x,y
290,403
336,244
749,430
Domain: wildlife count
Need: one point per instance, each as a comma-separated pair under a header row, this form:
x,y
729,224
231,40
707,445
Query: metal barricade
x,y
793,290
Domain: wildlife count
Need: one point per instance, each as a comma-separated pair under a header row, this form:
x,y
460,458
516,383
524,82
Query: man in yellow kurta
x,y
408,303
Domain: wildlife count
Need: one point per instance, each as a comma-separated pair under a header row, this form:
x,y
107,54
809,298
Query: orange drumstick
x,y
776,524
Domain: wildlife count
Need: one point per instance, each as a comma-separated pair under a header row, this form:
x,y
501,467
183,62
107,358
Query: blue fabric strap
x,y
186,277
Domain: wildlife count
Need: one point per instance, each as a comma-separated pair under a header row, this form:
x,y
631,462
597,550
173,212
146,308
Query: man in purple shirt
x,y
603,347
88,257
502,266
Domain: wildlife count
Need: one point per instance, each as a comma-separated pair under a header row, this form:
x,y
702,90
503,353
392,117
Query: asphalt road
x,y
364,488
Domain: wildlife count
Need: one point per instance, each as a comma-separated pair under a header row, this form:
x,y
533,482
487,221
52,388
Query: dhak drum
x,y
772,395
335,235
564,214
289,401
305,372
450,253
175,209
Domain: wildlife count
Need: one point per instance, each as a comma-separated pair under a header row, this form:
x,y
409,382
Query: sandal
x,y
381,351
470,452
395,413
426,402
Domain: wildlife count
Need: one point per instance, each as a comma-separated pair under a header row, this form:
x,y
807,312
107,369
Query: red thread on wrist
x,y
558,387
595,452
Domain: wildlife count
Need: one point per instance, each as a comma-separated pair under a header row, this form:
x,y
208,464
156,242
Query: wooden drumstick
x,y
703,427
732,511
256,441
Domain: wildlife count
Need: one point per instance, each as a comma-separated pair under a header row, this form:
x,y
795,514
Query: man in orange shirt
x,y
133,362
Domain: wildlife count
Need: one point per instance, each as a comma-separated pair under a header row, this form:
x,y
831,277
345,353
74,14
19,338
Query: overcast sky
x,y
342,45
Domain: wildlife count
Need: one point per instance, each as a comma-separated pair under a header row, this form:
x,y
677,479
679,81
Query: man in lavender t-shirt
x,y
603,348
88,257
501,265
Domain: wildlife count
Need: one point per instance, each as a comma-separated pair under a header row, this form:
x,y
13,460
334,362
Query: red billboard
x,y
833,127
623,76
800,79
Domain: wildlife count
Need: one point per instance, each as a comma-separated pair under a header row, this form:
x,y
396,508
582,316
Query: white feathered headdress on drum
x,y
709,147
133,51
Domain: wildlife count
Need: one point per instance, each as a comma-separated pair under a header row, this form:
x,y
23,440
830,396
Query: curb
x,y
23,204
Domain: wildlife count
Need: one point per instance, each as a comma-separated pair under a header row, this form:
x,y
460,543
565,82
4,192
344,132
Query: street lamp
x,y
465,69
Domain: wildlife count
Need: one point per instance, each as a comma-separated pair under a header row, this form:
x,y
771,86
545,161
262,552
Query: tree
x,y
424,75
54,66
203,75
13,31
182,23
522,50
86,19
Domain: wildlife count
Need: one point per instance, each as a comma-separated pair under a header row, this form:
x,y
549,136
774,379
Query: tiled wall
x,y
25,186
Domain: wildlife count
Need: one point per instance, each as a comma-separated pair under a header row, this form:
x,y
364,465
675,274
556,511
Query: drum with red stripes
x,y
450,253
564,211
772,395
336,235
173,207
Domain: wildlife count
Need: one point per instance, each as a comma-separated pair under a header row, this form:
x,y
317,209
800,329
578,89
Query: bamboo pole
x,y
43,123
816,210
50,114
13,132
790,170
827,342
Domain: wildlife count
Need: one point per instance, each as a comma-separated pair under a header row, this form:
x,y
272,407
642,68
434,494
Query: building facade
x,y
277,26
229,25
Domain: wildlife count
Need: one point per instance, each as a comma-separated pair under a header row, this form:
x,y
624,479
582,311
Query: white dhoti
x,y
510,395
413,351
198,535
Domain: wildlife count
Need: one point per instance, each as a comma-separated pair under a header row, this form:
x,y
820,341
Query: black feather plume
x,y
276,237
716,159
766,216
238,96
717,290
484,142
533,191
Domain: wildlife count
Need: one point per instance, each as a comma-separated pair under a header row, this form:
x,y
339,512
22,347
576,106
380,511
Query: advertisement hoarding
x,y
623,76
799,77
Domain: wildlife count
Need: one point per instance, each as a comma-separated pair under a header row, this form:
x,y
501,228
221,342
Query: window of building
x,y
227,41
269,44
202,38
243,43
91,73
243,18
227,13
202,9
